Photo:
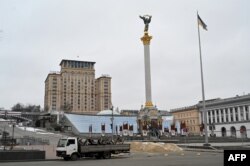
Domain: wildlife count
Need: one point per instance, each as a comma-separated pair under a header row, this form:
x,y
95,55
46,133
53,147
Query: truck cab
x,y
67,148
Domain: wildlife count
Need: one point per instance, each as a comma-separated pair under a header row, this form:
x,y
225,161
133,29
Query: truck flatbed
x,y
101,148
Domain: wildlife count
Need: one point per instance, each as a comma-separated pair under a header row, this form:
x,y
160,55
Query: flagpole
x,y
203,89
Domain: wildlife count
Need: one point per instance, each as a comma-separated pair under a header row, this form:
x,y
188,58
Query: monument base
x,y
149,104
149,121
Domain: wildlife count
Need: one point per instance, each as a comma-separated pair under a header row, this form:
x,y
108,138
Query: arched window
x,y
233,131
243,132
223,132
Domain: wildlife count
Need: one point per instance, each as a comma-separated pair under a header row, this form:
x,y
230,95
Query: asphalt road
x,y
138,159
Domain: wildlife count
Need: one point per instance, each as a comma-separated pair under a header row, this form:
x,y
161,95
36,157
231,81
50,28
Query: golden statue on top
x,y
146,19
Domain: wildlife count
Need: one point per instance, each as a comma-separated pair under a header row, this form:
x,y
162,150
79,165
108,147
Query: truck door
x,y
71,146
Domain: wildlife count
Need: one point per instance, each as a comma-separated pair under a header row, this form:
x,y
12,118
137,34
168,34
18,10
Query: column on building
x,y
200,118
249,112
224,114
234,116
202,115
244,113
239,113
229,114
220,116
208,116
211,116
215,116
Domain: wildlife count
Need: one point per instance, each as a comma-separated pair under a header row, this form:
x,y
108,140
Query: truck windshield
x,y
62,143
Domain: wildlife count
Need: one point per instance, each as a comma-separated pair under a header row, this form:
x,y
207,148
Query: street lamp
x,y
112,121
13,125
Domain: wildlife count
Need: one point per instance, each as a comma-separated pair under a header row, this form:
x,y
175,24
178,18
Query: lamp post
x,y
13,125
112,121
4,137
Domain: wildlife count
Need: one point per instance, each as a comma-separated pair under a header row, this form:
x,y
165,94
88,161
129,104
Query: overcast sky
x,y
35,35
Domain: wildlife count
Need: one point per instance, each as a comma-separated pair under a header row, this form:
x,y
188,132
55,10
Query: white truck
x,y
73,148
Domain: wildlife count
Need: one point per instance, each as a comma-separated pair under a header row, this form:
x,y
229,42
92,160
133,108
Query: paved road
x,y
138,159
219,144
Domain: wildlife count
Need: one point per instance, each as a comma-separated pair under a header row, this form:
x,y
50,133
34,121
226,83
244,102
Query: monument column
x,y
146,42
149,113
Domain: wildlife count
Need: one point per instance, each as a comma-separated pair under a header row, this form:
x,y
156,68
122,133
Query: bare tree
x,y
28,108
18,107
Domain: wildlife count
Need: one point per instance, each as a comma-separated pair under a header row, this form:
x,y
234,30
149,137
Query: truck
x,y
73,148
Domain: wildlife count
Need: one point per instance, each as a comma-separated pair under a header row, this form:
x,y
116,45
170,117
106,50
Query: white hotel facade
x,y
229,117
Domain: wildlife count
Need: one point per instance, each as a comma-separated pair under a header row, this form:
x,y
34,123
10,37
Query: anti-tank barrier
x,y
27,140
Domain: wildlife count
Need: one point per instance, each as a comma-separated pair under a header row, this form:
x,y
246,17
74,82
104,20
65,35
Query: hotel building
x,y
75,89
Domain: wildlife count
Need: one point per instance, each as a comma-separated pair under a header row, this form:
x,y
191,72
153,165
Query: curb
x,y
7,161
203,150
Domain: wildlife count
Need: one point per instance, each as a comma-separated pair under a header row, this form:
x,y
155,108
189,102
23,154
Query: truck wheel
x,y
98,156
74,157
106,155
66,158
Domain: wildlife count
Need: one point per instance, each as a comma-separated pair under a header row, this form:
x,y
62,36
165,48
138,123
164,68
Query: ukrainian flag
x,y
201,23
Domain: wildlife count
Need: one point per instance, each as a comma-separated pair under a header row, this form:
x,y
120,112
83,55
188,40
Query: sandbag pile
x,y
154,147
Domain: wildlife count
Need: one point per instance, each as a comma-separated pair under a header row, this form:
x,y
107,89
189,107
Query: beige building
x,y
103,93
189,116
52,99
75,89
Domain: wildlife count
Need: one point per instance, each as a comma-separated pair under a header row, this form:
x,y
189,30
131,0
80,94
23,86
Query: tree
x,y
18,107
33,108
28,108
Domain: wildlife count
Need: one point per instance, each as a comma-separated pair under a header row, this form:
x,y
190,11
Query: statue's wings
x,y
149,20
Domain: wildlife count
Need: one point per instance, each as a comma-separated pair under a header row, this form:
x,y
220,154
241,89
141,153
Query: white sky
x,y
35,35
